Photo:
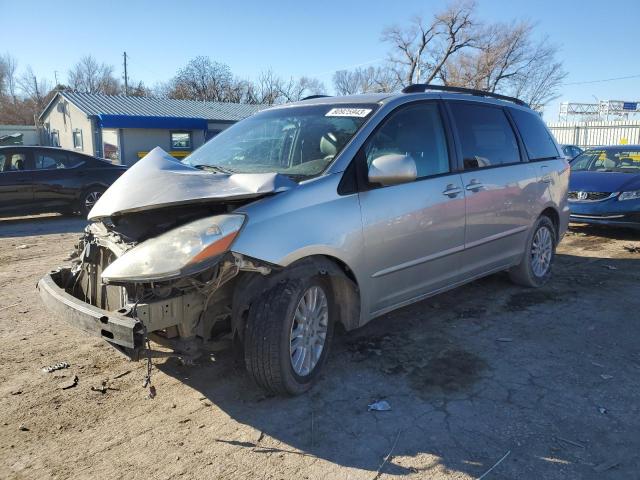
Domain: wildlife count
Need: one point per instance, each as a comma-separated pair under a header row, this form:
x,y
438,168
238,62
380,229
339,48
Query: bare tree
x,y
294,90
202,79
509,60
270,89
365,80
89,76
8,81
420,50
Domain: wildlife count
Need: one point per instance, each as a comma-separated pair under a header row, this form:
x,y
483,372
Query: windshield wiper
x,y
214,168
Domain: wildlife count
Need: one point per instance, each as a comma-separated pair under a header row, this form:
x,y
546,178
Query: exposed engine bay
x,y
182,313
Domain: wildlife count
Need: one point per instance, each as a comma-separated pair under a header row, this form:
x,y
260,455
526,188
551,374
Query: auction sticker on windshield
x,y
348,112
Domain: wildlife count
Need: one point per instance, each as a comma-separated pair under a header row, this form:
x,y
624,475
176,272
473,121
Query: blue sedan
x,y
604,188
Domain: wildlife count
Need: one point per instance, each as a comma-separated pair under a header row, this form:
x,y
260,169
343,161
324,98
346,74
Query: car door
x,y
500,186
16,189
413,232
58,177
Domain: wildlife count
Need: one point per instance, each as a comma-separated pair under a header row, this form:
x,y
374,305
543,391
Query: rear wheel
x,y
89,198
535,268
289,331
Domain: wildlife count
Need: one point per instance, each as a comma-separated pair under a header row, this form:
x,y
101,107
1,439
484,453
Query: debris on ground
x,y
602,410
494,465
103,388
570,442
72,384
10,306
632,248
23,428
379,406
15,392
504,339
604,466
22,247
152,392
57,366
120,375
610,267
606,377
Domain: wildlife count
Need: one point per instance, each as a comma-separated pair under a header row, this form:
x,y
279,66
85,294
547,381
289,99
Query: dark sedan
x,y
49,179
604,188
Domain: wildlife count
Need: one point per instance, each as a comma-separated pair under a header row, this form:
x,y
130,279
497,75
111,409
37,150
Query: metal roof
x,y
97,104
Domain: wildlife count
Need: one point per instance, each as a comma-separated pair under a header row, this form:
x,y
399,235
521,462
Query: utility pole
x,y
126,78
55,74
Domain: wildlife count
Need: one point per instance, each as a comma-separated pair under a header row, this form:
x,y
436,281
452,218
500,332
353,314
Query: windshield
x,y
296,141
608,159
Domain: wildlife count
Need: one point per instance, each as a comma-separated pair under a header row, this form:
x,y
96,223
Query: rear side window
x,y
486,136
537,139
56,160
415,131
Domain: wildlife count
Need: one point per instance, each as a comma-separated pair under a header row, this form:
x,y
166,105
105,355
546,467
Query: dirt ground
x,y
550,378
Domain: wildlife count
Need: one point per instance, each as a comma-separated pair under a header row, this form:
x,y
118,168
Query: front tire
x,y
288,335
535,268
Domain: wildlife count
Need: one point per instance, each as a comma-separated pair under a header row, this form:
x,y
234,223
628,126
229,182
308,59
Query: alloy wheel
x,y
309,330
541,251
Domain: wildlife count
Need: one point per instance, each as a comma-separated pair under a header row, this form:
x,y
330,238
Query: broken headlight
x,y
183,251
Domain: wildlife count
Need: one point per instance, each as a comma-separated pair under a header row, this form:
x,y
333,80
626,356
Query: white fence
x,y
592,134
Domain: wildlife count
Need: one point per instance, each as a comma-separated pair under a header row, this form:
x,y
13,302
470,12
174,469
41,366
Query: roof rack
x,y
310,97
422,87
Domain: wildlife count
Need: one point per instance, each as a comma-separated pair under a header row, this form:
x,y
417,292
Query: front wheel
x,y
289,331
89,198
535,268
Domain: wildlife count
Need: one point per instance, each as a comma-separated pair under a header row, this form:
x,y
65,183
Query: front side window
x,y
610,159
12,162
299,141
181,140
77,139
415,131
535,136
486,136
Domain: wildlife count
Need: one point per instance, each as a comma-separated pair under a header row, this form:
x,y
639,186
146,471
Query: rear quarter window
x,y
535,136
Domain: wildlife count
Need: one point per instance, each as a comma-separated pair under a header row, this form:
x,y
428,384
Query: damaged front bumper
x,y
115,327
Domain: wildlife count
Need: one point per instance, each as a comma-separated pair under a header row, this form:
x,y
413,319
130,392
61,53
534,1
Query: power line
x,y
603,80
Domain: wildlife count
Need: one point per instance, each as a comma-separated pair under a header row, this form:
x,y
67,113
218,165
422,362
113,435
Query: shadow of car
x,y
50,179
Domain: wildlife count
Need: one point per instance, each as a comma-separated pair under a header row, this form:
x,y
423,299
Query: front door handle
x,y
452,190
474,186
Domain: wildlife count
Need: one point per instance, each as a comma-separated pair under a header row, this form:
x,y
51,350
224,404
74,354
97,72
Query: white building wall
x,y
593,134
67,119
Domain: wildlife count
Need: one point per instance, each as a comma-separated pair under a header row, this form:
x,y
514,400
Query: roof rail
x,y
310,97
422,87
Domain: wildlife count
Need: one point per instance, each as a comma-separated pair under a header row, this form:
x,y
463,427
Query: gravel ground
x,y
550,377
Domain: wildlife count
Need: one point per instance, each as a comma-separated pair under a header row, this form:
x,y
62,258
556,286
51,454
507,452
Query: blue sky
x,y
598,39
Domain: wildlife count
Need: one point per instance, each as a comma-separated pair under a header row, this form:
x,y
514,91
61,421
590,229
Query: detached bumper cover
x,y
113,327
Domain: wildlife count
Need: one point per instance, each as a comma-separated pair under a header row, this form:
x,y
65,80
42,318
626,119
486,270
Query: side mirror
x,y
393,169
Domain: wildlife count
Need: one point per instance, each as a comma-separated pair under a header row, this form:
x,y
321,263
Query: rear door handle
x,y
452,190
474,186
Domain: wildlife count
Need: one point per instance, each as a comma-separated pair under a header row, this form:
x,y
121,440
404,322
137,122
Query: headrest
x,y
329,144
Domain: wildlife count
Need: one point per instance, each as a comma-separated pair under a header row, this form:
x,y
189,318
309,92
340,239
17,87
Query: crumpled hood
x,y
603,181
159,180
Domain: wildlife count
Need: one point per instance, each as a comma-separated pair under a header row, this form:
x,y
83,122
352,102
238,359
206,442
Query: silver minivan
x,y
329,210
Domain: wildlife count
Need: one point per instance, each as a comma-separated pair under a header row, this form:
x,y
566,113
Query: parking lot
x,y
547,380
